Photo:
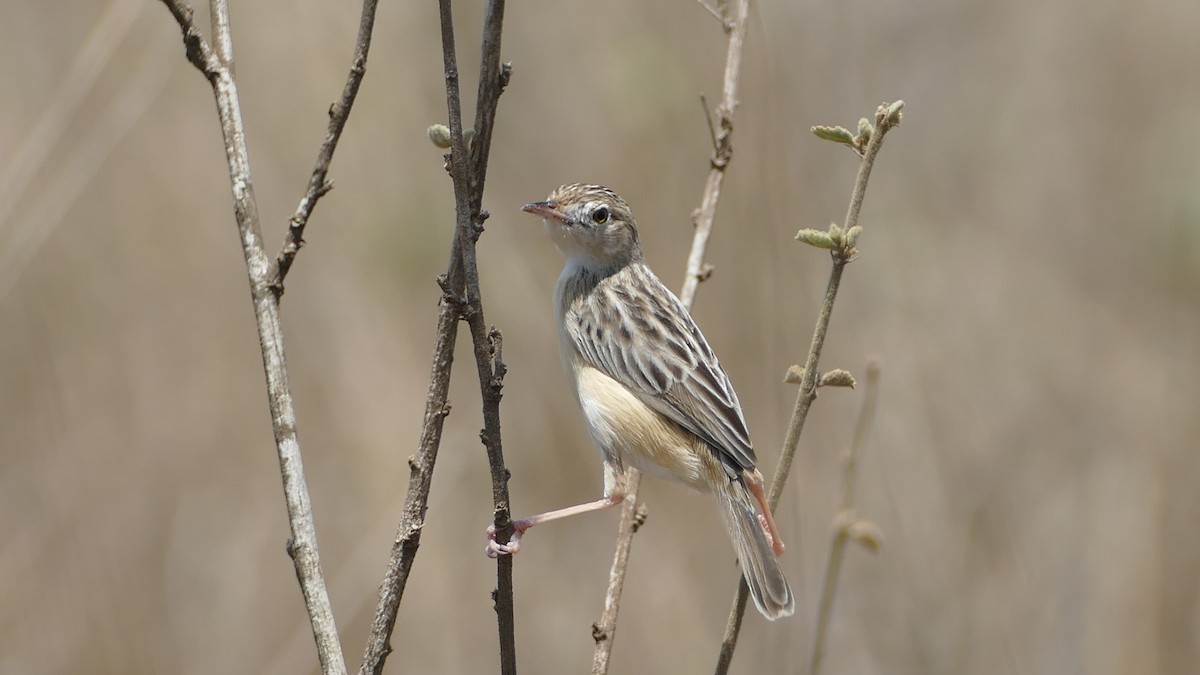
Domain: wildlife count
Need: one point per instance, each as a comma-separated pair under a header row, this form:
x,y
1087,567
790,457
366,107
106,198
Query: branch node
x,y
504,76
499,369
477,225
640,516
455,299
501,516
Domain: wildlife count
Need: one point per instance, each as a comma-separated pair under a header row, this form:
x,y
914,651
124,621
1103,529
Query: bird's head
x,y
590,224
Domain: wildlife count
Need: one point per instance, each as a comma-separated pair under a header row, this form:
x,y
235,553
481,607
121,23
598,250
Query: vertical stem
x,y
843,520
460,300
217,65
633,511
303,545
468,173
886,117
416,500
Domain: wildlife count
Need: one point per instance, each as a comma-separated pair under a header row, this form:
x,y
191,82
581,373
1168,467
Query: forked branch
x,y
461,300
318,183
216,63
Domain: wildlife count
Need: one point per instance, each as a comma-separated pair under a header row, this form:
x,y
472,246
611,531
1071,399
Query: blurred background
x,y
1029,280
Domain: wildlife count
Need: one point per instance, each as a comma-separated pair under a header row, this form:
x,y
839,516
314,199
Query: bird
x,y
652,392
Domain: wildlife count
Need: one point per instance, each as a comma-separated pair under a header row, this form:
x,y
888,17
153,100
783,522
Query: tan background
x,y
1029,278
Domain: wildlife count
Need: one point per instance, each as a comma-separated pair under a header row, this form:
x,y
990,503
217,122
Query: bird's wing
x,y
637,332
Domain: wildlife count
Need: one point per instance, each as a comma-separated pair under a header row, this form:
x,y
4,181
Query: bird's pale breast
x,y
625,427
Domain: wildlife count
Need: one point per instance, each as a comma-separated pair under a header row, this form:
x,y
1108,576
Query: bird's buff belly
x,y
625,428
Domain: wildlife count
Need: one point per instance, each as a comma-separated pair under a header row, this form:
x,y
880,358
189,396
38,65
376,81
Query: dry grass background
x,y
1029,278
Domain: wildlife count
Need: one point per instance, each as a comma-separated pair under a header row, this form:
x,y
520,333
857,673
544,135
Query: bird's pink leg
x,y
495,549
754,482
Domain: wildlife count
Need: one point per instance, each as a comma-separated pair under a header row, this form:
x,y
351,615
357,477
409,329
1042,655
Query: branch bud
x,y
835,235
440,135
835,134
837,377
866,533
890,115
852,236
815,238
864,132
795,374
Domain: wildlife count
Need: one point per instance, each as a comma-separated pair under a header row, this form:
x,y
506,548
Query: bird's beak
x,y
545,210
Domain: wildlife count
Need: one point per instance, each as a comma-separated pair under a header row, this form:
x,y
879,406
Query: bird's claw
x,y
776,545
495,549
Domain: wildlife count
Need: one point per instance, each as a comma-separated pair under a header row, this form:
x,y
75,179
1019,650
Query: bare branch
x,y
632,511
845,521
718,12
339,112
712,130
843,252
703,217
217,65
469,174
416,501
461,300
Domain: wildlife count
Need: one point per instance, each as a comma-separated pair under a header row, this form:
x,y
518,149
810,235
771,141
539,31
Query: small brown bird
x,y
651,389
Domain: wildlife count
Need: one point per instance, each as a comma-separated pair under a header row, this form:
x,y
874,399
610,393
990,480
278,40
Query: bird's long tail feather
x,y
768,586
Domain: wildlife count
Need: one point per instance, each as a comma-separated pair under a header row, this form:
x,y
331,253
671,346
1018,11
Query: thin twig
x,y
194,46
886,117
217,65
460,301
633,513
717,12
845,520
416,501
712,130
703,217
339,112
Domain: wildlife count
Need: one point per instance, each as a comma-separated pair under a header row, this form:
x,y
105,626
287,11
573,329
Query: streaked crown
x,y
590,224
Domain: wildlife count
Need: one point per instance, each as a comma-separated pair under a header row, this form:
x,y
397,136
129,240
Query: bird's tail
x,y
768,586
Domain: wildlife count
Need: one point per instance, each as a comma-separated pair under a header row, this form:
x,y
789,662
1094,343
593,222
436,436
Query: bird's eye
x,y
600,215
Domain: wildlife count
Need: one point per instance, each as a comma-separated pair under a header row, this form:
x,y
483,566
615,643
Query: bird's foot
x,y
776,543
495,549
